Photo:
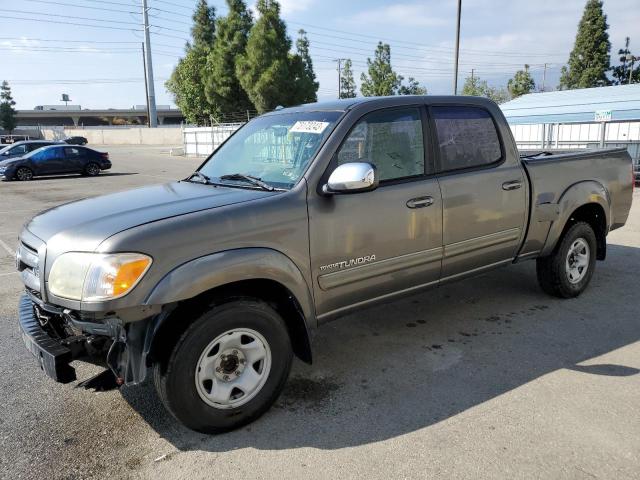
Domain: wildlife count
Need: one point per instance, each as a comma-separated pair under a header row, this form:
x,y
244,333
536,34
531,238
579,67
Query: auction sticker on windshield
x,y
309,126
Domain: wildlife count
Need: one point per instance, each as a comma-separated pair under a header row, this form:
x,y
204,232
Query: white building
x,y
585,118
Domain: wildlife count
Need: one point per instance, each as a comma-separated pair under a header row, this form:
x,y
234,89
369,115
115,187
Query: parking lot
x,y
486,378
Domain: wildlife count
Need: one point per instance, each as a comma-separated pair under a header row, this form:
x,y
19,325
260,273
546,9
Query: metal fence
x,y
564,136
201,141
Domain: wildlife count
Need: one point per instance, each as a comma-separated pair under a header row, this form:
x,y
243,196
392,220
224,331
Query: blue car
x,y
54,160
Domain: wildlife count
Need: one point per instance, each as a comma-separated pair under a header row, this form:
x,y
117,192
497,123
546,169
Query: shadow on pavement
x,y
400,367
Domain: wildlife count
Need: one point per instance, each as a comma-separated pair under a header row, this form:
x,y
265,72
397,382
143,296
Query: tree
x,y
264,69
306,86
413,87
347,82
222,87
521,83
7,112
620,72
381,80
204,25
474,85
187,80
589,60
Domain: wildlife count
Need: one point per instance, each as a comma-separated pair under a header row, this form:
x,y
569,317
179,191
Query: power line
x,y
63,4
41,20
23,12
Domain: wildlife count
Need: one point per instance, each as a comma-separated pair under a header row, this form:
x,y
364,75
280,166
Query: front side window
x,y
467,137
19,150
389,139
41,155
275,148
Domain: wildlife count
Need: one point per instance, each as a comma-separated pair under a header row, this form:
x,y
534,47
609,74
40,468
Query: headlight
x,y
92,277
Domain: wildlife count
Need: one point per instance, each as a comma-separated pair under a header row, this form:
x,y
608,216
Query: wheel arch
x,y
582,202
259,273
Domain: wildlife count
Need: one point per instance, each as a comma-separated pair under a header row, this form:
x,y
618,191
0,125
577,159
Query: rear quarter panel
x,y
562,183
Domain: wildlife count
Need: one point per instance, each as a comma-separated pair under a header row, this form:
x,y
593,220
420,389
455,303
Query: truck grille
x,y
28,264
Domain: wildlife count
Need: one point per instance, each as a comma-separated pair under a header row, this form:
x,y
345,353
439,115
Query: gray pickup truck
x,y
214,282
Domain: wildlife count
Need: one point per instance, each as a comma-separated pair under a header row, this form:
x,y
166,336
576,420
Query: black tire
x,y
24,174
91,169
175,377
553,276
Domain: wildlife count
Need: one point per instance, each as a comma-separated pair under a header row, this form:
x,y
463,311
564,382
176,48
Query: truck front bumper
x,y
53,357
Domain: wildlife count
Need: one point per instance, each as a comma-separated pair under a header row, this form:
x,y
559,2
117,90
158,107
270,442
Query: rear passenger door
x,y
74,159
483,191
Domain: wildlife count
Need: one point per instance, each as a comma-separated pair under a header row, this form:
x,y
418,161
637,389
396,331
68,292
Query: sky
x,y
91,49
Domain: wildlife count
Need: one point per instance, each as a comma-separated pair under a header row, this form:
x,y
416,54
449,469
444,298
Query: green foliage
x,y
347,82
306,86
264,69
187,82
222,87
589,60
381,79
413,87
521,83
620,72
7,112
204,27
474,85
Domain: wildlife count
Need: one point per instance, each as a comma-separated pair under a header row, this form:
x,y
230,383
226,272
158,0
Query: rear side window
x,y
389,139
467,137
72,152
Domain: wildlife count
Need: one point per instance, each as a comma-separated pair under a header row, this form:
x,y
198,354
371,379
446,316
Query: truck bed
x,y
606,172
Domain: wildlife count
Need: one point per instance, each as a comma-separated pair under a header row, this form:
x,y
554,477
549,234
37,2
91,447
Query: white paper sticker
x,y
309,126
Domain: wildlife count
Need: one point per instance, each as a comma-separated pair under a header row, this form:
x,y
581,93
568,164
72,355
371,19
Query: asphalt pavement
x,y
485,378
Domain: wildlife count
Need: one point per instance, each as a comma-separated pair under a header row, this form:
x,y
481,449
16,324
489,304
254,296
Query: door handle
x,y
420,202
512,185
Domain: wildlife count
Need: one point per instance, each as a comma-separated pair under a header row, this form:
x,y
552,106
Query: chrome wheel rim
x,y
577,263
24,174
233,368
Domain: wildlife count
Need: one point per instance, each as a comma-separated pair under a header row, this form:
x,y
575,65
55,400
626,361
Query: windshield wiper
x,y
202,178
249,179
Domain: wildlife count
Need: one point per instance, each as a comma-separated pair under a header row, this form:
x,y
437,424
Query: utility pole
x,y
455,67
146,85
151,94
339,61
472,71
631,59
544,77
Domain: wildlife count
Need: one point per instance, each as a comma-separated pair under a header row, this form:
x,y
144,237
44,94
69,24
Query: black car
x,y
53,160
76,141
20,149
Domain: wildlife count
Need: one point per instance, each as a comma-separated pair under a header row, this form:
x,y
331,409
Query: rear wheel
x,y
92,169
24,174
566,273
227,368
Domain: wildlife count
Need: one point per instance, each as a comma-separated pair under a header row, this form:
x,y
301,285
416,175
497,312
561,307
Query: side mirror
x,y
354,177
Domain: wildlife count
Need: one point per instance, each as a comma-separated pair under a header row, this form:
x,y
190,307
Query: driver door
x,y
369,245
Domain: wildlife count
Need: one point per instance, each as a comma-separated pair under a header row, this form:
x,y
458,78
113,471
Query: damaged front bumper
x,y
57,337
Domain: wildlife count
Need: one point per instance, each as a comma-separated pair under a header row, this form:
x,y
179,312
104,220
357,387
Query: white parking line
x,y
8,249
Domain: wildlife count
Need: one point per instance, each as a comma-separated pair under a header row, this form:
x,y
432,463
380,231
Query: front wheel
x,y
227,368
24,174
566,273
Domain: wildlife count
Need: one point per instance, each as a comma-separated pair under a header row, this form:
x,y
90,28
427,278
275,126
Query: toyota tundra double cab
x,y
212,284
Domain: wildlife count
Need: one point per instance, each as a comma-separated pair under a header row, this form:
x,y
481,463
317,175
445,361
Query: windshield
x,y
275,148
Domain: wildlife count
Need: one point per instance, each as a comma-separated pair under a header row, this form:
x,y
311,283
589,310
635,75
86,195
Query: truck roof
x,y
348,103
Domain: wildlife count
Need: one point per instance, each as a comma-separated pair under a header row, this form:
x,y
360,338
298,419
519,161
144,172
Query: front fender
x,y
222,268
574,197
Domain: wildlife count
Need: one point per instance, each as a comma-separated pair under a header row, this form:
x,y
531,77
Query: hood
x,y
84,224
